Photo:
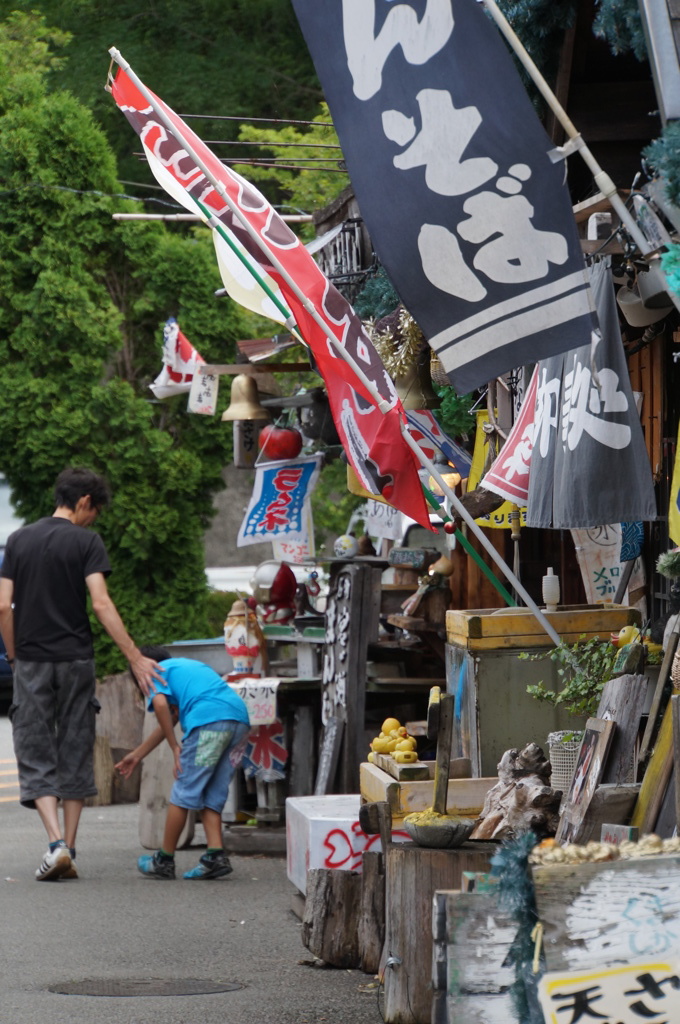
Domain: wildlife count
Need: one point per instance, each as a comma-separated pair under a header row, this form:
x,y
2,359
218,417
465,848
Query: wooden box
x,y
465,796
488,629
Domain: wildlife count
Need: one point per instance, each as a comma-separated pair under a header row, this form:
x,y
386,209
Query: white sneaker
x,y
54,864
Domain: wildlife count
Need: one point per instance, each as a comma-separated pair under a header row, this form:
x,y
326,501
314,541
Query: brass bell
x,y
245,400
415,386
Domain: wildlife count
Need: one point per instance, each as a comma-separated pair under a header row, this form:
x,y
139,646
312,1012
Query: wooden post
x,y
675,711
371,927
413,875
352,617
331,919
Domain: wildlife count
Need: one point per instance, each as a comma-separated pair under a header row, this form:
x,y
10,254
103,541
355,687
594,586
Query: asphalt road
x,y
113,925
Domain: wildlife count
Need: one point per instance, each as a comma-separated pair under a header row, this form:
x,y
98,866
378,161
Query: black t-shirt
x,y
48,562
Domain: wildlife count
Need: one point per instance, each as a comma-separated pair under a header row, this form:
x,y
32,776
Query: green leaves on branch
x,y
584,667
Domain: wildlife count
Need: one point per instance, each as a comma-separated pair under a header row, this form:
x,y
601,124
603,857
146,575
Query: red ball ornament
x,y
449,527
280,442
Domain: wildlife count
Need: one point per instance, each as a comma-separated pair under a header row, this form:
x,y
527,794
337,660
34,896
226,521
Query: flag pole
x,y
383,404
602,179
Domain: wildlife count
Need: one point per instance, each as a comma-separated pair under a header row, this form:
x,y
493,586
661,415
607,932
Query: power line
x,y
258,120
282,167
273,144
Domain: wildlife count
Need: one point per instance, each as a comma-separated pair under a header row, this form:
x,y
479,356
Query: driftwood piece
x,y
522,800
480,502
331,920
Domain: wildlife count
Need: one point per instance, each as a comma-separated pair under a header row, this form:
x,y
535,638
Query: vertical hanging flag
x,y
432,439
509,474
461,188
278,504
180,362
371,436
589,464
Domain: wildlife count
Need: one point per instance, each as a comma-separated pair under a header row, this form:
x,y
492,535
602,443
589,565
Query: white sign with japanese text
x,y
648,990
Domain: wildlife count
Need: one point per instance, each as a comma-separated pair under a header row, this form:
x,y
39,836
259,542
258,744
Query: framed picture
x,y
590,763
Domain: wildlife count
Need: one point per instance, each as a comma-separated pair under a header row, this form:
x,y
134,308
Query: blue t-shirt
x,y
199,693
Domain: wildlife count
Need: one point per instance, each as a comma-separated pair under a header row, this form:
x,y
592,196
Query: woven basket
x,y
563,758
437,371
675,669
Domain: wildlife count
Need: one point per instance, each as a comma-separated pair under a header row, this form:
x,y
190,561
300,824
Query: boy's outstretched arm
x,y
127,764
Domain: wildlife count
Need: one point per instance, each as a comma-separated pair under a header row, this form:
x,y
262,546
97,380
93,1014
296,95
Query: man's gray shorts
x,y
53,725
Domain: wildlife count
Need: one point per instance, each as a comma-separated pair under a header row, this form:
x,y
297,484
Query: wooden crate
x,y
497,629
465,796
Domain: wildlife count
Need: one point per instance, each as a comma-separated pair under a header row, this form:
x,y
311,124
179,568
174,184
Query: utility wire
x,y
257,120
273,144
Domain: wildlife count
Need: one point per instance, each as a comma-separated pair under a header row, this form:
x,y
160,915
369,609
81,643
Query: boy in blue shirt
x,y
215,725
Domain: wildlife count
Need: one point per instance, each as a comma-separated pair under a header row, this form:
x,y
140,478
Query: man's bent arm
x,y
7,615
144,669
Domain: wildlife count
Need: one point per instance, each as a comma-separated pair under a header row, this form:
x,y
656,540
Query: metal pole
x,y
602,179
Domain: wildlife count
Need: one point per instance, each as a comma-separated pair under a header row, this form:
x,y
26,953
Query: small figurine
x,y
274,587
243,639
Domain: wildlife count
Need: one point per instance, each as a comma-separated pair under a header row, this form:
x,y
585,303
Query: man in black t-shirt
x,y
48,571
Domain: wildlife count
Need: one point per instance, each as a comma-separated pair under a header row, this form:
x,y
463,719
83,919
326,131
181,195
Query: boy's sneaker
x,y
55,863
155,866
71,873
211,866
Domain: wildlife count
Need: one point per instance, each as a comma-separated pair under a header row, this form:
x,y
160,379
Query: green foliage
x,y
619,22
377,298
453,415
316,149
218,606
209,57
585,667
668,564
540,25
82,303
664,156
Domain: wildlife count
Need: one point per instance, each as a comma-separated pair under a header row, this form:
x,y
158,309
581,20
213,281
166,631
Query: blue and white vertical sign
x,y
277,505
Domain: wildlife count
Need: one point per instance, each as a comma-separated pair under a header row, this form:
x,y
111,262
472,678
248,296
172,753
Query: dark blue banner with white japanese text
x,y
460,187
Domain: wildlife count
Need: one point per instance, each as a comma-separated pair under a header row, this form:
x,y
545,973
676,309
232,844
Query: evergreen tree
x,y
82,301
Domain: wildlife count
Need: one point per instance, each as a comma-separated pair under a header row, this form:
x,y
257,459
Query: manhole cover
x,y
143,987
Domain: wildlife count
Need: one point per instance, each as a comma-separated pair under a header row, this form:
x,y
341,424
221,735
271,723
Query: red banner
x,y
371,438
